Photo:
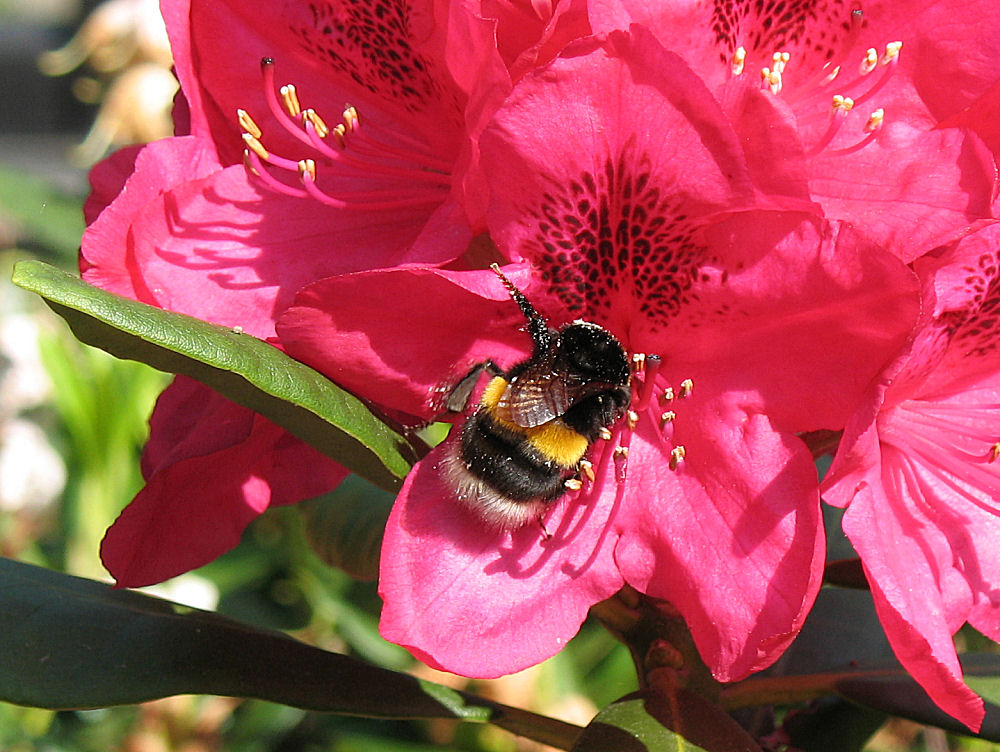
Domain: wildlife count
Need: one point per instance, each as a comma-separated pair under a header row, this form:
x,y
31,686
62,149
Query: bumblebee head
x,y
592,354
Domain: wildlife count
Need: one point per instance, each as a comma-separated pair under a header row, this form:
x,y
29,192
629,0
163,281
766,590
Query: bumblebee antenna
x,y
538,327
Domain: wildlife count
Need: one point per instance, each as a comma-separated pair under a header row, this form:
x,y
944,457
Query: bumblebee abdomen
x,y
506,461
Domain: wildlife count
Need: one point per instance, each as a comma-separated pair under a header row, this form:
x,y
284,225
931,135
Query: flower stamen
x,y
831,77
425,179
738,61
774,77
872,127
771,79
869,61
248,124
840,106
253,143
290,98
253,162
677,455
831,69
888,62
322,129
650,368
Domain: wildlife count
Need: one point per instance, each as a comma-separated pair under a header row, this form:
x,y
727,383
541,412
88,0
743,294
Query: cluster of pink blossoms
x,y
785,204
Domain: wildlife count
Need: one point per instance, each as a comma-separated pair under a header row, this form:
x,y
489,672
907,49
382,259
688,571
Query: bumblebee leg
x,y
458,397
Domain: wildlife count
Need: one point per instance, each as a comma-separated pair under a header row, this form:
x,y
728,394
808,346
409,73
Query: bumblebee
x,y
537,419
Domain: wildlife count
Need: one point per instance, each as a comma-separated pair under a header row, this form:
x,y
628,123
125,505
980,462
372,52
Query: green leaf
x,y
680,721
75,643
345,526
982,673
240,367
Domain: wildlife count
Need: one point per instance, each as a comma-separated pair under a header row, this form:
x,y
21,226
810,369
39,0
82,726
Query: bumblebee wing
x,y
538,395
530,402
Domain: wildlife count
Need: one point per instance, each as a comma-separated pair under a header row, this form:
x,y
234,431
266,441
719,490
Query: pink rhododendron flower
x,y
620,194
185,225
919,472
858,90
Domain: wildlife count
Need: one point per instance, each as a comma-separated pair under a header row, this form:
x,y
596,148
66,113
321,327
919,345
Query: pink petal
x,y
949,59
530,34
563,137
982,116
107,179
196,120
398,78
733,538
919,189
480,603
774,155
708,34
917,592
105,254
179,521
806,311
220,249
916,467
398,337
960,345
956,55
910,189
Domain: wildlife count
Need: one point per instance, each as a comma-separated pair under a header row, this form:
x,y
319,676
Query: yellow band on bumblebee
x,y
554,440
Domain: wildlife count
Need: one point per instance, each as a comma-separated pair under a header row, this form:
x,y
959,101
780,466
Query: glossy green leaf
x,y
651,722
74,643
241,368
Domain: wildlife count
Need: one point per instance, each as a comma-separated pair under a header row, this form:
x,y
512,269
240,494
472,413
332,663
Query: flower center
x,y
845,83
614,246
972,331
399,168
